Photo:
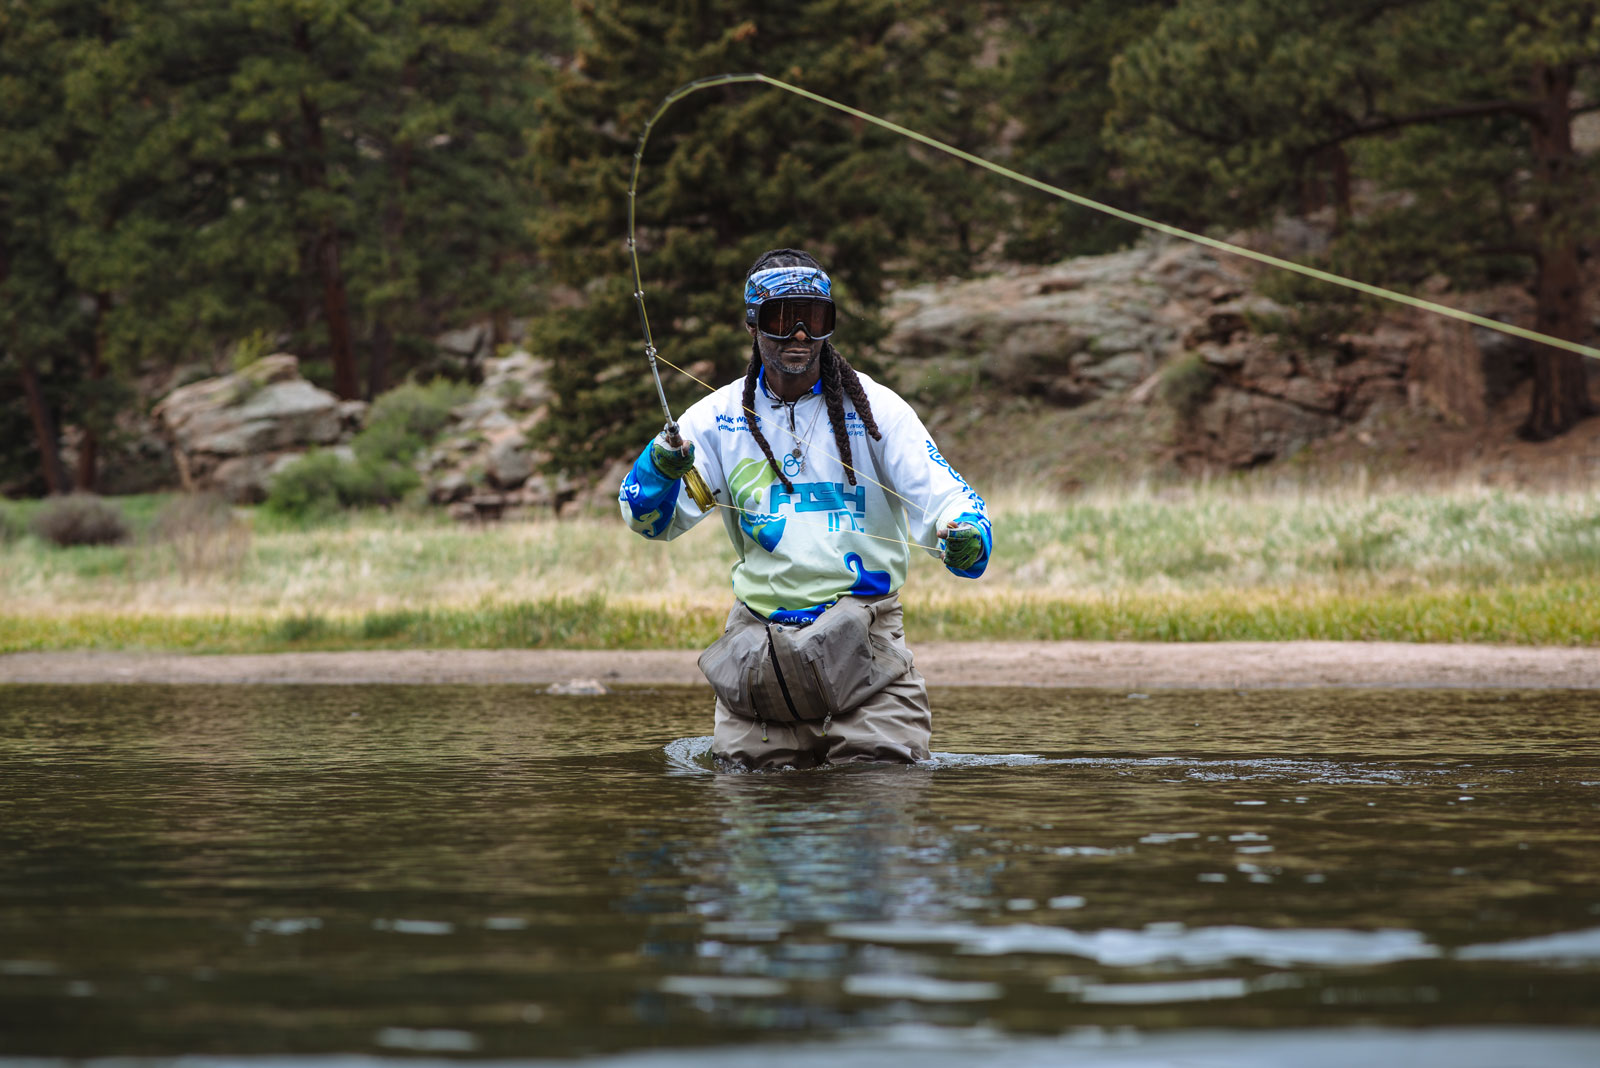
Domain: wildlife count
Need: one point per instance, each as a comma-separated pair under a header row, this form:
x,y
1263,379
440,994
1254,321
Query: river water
x,y
283,874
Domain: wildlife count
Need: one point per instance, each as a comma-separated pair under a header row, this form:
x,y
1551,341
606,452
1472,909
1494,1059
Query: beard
x,y
789,359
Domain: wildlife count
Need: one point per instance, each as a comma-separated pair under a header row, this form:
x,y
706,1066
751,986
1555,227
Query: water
x,y
1303,877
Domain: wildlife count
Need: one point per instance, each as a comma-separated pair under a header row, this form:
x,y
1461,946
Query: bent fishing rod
x,y
701,493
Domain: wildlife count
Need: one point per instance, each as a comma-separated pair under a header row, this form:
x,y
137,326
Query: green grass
x,y
1203,563
1555,613
557,623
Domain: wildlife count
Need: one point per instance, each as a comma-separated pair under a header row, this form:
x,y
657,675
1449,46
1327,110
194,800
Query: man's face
x,y
791,358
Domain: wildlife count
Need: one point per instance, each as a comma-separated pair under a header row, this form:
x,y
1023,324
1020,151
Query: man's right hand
x,y
674,459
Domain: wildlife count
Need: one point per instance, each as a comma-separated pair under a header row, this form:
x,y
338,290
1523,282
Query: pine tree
x,y
1464,107
177,175
1057,92
728,173
348,168
47,326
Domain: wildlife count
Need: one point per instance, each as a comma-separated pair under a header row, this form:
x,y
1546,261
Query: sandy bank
x,y
1115,665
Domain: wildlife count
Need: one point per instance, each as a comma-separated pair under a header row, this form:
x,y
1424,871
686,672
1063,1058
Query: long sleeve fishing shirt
x,y
803,548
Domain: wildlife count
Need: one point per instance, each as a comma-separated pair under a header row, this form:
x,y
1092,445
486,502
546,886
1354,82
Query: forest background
x,y
186,185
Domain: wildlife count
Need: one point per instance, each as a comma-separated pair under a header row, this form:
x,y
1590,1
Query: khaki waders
x,y
892,725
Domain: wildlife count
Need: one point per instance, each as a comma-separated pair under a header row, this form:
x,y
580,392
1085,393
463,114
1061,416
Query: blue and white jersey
x,y
807,547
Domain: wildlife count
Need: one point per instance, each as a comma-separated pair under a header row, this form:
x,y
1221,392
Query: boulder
x,y
1240,429
483,465
1069,333
449,488
468,341
229,434
509,463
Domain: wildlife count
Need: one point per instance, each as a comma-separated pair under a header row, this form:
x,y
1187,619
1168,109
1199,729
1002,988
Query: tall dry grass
x,y
1201,562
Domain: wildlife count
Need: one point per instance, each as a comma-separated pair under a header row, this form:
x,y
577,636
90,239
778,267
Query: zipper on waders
x,y
777,668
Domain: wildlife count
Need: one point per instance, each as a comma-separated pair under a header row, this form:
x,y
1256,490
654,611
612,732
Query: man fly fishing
x,y
825,480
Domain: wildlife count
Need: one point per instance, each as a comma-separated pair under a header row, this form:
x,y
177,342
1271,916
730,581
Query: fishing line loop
x,y
1082,201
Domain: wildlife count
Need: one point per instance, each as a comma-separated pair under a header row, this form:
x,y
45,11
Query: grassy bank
x,y
1202,564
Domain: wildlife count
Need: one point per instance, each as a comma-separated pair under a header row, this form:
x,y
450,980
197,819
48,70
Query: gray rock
x,y
252,416
468,341
578,688
1241,429
243,479
482,406
1069,332
517,380
352,415
509,464
276,416
1119,372
453,486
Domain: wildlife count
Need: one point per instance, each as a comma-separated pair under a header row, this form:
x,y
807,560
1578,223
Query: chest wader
x,y
803,673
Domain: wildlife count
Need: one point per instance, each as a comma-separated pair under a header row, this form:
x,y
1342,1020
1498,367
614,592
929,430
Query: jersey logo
x,y
820,497
744,482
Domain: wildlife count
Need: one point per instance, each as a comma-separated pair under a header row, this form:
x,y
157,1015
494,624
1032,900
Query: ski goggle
x,y
779,300
779,319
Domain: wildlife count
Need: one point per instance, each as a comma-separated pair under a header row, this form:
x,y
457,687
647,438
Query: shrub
x,y
1315,313
305,627
400,423
406,418
9,530
1186,384
81,519
203,534
322,482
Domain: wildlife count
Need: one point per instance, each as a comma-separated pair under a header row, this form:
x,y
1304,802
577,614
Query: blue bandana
x,y
775,282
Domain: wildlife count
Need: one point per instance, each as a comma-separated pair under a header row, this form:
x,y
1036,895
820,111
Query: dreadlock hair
x,y
839,380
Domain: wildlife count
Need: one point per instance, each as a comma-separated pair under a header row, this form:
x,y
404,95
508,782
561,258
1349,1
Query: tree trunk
x,y
1325,180
335,302
394,231
336,310
88,474
44,428
88,459
1340,164
1560,379
382,357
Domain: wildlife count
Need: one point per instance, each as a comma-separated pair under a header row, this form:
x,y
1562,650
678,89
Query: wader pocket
x,y
834,665
734,664
779,673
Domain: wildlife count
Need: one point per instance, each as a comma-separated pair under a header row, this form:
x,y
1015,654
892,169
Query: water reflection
x,y
845,844
742,919
495,872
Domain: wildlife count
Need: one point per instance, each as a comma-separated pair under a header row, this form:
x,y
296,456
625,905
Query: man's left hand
x,y
963,545
673,459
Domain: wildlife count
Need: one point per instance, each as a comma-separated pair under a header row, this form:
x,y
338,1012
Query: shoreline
x,y
1065,664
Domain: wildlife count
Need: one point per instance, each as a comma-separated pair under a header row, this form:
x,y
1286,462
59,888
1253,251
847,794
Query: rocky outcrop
x,y
1068,333
231,434
489,462
1254,381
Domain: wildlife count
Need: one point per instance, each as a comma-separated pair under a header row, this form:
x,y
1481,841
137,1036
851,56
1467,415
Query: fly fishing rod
x,y
696,484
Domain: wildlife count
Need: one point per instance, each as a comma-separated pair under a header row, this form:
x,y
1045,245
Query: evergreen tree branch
x,y
1522,109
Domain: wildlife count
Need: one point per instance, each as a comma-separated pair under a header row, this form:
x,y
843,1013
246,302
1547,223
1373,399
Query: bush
x,y
322,482
406,418
9,530
1315,314
203,533
1186,384
400,423
81,519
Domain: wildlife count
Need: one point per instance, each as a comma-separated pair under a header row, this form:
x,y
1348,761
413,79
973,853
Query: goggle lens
x,y
780,318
